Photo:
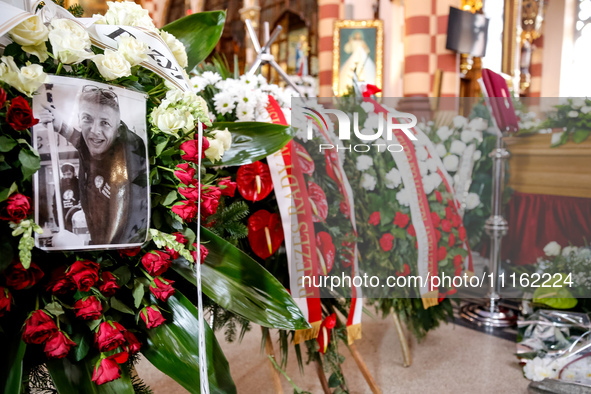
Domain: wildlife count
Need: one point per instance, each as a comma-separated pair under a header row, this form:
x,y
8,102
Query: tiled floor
x,y
452,359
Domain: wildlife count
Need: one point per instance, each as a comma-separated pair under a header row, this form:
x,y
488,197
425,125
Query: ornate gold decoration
x,y
532,18
473,6
336,52
510,29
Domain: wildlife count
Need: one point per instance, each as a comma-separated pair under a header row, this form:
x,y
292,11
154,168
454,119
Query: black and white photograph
x,y
92,189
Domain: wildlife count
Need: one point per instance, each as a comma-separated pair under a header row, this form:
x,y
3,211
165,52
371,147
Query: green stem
x,y
166,168
59,68
295,387
146,274
37,303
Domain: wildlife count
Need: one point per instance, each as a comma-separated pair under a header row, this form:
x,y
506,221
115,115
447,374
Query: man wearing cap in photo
x,y
70,192
113,175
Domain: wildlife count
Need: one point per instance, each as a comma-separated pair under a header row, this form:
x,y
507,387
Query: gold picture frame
x,y
356,42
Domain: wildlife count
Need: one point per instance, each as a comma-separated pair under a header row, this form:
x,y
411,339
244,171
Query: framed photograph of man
x,y
358,49
92,190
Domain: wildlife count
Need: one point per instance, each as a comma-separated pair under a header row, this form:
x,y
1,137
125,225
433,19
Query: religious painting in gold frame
x,y
358,47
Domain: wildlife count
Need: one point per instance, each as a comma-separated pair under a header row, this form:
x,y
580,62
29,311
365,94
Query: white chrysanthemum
x,y
451,162
368,182
444,133
393,178
568,250
552,249
423,168
478,124
457,147
199,83
460,122
245,111
403,197
440,149
472,201
211,77
224,103
364,162
431,182
431,165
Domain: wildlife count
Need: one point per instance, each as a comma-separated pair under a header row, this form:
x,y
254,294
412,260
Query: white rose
x,y
225,137
444,133
27,80
586,110
367,106
572,114
364,162
423,168
568,250
539,369
555,138
422,153
431,182
584,253
215,150
460,122
128,13
451,162
440,149
31,35
403,197
552,249
457,147
472,201
134,51
176,47
169,121
578,102
477,155
393,179
368,182
478,124
431,165
112,65
70,42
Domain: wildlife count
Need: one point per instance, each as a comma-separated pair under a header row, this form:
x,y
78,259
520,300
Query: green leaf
x,y
5,193
77,378
83,345
138,293
123,275
251,141
557,296
30,161
170,198
199,33
7,143
14,374
120,306
55,308
238,283
580,136
173,348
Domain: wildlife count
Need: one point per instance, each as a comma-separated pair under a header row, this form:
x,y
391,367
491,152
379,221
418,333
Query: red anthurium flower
x,y
5,301
109,336
58,345
152,316
204,252
386,242
19,278
371,90
162,288
438,196
345,208
38,327
84,274
108,284
452,240
186,209
374,218
462,233
318,202
186,174
254,181
348,256
59,283
456,220
265,233
446,225
19,115
435,219
227,187
405,271
107,370
441,253
15,208
133,345
401,219
156,262
326,252
304,159
331,159
191,149
88,308
323,337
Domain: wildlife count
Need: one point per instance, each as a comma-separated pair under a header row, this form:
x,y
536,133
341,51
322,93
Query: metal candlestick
x,y
496,227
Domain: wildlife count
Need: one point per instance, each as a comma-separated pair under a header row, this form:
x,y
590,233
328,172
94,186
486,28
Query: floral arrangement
x,y
83,320
573,115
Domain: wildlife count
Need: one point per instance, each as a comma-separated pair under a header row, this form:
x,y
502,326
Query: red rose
x,y
5,301
401,219
441,253
58,345
462,233
227,187
162,288
152,316
438,196
88,308
130,252
458,260
2,97
16,208
210,199
456,221
106,371
19,115
191,149
191,192
437,235
448,213
458,271
38,327
305,161
411,231
109,336
435,219
19,278
133,345
405,271
326,252
187,210
374,218
386,242
204,252
254,181
265,233
84,274
186,174
108,284
318,202
156,262
446,225
324,334
452,240
59,283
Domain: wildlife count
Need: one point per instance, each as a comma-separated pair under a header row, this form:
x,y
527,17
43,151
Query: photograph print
x,y
92,190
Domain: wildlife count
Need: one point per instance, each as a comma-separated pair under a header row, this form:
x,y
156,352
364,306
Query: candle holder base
x,y
484,315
